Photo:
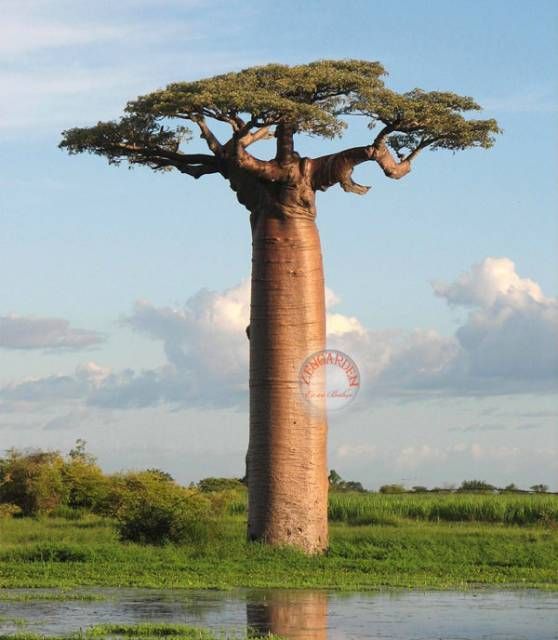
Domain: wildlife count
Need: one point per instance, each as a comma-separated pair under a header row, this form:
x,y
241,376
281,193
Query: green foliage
x,y
336,483
476,485
8,510
209,485
131,137
392,488
539,488
314,98
419,118
155,511
87,485
33,481
40,482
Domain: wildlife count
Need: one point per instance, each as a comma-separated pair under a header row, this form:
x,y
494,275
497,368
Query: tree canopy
x,y
278,101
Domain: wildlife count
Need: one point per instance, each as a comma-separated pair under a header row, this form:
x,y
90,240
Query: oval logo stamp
x,y
329,379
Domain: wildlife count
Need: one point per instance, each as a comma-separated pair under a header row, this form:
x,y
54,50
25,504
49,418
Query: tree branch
x,y
260,134
196,171
390,166
338,168
268,170
189,158
209,136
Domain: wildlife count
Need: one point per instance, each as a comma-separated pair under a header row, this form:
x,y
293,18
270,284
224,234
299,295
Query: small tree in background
x,y
33,481
476,485
539,488
392,488
87,486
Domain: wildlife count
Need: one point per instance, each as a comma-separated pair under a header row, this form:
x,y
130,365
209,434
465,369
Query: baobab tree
x,y
286,460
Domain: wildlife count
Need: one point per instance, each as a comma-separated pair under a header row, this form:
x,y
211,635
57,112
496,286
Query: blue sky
x,y
446,281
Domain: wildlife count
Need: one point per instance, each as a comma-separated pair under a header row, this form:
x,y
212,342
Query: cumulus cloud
x,y
507,344
512,328
18,332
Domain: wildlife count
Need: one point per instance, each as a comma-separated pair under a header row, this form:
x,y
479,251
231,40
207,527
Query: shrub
x,y
154,511
8,510
87,487
33,481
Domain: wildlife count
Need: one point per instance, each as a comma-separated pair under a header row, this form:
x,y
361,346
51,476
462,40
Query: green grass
x,y
420,554
374,508
143,631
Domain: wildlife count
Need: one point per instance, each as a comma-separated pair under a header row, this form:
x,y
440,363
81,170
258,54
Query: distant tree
x,y
210,485
334,479
511,487
420,489
352,485
392,488
539,488
476,485
336,483
78,452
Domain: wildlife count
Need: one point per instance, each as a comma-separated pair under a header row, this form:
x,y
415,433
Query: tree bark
x,y
287,454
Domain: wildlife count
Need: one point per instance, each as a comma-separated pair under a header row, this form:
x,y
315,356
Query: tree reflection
x,y
295,615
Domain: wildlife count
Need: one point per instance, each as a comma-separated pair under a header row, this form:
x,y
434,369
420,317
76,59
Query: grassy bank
x,y
136,631
433,555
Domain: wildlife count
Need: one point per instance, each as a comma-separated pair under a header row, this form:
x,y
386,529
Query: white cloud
x,y
18,332
491,283
508,344
511,332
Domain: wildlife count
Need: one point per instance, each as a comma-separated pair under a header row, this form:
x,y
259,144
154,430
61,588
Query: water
x,y
303,615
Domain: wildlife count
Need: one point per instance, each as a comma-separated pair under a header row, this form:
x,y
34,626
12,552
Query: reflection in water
x,y
290,614
299,614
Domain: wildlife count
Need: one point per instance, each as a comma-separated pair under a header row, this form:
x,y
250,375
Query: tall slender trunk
x,y
286,461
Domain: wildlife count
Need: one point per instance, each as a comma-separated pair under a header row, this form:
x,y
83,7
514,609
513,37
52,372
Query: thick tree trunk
x,y
286,461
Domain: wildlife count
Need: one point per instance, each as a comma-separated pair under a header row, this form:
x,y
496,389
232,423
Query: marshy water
x,y
300,615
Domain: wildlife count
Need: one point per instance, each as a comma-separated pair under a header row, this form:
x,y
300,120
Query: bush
x,y
86,486
8,510
33,481
154,511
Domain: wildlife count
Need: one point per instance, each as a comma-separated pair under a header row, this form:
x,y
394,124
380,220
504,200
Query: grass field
x,y
431,542
506,508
